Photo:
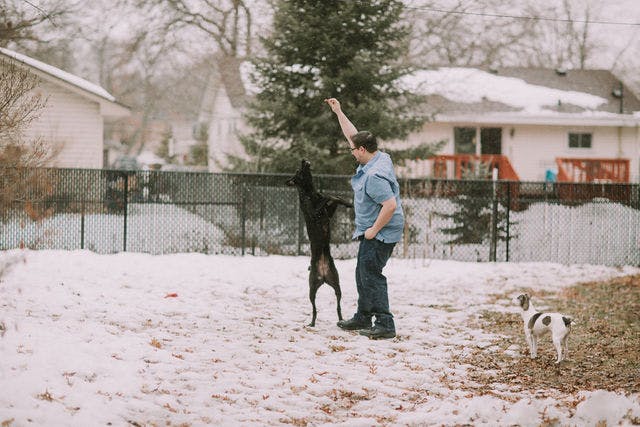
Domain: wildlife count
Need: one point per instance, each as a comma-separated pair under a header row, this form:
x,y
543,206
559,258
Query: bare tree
x,y
22,22
20,105
229,23
149,52
562,36
503,33
464,33
131,57
43,29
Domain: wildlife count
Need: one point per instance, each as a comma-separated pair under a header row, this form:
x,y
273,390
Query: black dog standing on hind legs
x,y
318,209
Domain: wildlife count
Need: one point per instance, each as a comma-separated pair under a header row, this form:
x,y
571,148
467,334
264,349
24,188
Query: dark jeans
x,y
373,299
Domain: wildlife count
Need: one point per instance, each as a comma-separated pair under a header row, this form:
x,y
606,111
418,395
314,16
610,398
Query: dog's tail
x,y
568,321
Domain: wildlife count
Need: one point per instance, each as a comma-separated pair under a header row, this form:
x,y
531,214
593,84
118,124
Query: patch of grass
x,y
604,345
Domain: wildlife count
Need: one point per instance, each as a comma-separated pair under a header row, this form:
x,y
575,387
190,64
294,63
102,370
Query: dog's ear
x,y
524,301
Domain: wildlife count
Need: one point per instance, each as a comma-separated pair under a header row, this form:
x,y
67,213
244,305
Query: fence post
x,y
494,218
508,219
125,202
299,231
243,214
82,226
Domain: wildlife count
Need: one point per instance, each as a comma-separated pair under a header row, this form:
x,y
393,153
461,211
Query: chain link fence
x,y
109,211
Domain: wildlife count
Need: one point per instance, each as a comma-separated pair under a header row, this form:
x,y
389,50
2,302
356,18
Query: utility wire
x,y
43,12
532,18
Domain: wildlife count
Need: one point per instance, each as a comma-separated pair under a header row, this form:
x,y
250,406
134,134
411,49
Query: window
x,y
579,140
465,140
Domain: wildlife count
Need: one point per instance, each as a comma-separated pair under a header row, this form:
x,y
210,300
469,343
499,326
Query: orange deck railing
x,y
575,175
455,166
593,170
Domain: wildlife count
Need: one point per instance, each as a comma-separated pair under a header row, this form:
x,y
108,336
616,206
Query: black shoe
x,y
354,324
377,333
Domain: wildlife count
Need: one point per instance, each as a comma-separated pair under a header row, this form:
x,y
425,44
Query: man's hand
x,y
334,104
370,233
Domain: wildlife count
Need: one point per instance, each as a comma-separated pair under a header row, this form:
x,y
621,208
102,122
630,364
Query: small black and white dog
x,y
537,324
318,209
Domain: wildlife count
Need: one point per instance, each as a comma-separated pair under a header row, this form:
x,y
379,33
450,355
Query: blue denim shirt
x,y
372,184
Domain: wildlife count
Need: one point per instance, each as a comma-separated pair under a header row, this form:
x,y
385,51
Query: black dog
x,y
318,209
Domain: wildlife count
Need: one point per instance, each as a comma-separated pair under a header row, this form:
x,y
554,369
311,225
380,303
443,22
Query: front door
x,y
491,141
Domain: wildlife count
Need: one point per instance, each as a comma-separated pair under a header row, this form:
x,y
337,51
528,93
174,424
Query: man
x,y
379,223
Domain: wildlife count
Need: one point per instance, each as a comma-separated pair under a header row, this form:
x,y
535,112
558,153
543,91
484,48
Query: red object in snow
x,y
171,295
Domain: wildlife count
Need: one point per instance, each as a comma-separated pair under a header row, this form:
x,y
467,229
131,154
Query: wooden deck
x,y
574,173
603,171
459,166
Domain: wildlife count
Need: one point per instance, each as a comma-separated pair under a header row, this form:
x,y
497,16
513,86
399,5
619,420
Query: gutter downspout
x,y
621,112
620,153
637,145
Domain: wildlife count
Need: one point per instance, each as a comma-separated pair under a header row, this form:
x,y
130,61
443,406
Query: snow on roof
x,y
62,75
470,85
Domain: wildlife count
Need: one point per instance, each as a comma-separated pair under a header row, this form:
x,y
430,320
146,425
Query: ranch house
x,y
532,124
75,114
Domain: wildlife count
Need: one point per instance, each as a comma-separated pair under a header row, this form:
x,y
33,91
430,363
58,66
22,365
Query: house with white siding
x,y
575,125
222,106
75,114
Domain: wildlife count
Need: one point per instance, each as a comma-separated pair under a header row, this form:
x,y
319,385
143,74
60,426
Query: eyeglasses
x,y
354,148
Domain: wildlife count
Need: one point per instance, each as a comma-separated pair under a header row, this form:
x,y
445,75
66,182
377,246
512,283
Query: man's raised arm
x,y
348,129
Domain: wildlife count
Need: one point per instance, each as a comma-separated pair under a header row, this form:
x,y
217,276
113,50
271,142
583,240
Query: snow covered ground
x,y
194,339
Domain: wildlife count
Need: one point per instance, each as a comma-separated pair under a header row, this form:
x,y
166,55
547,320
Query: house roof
x,y
525,96
225,76
109,106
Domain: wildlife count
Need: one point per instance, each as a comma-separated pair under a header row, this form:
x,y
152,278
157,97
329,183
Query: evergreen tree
x,y
473,212
320,49
163,149
199,152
